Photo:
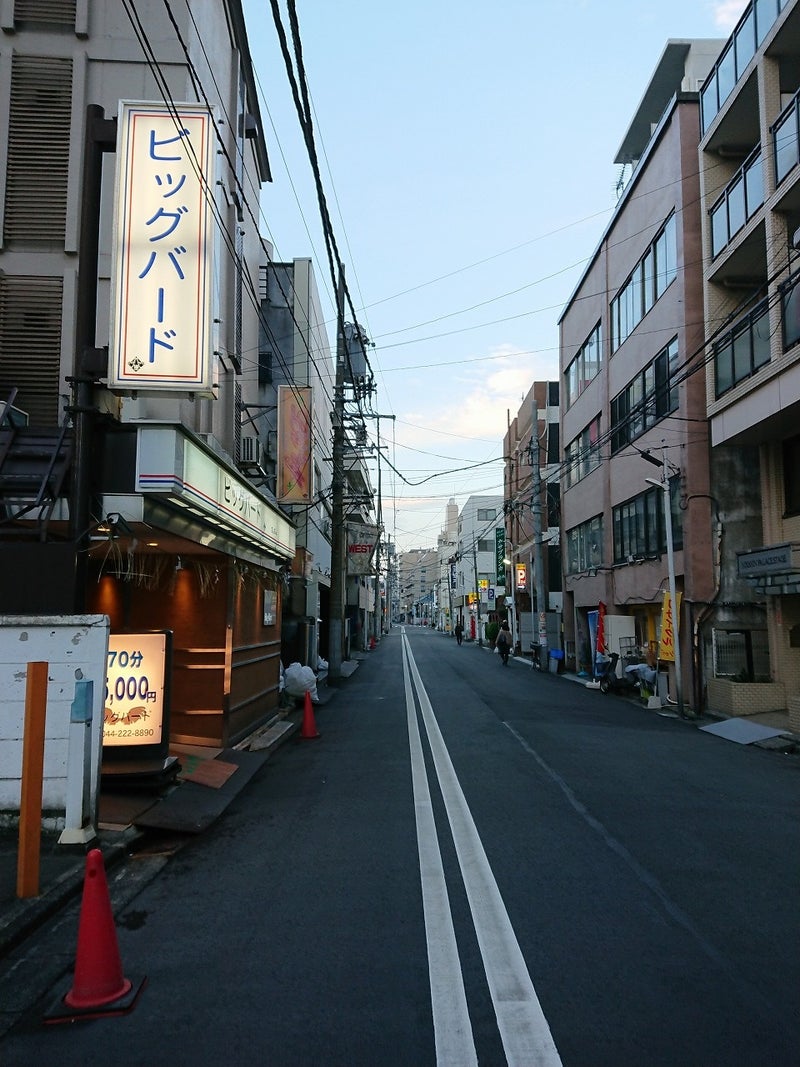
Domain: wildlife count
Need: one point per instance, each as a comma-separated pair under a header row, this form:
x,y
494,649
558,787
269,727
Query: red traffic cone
x,y
99,986
309,728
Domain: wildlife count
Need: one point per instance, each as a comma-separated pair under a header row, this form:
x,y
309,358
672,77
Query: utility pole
x,y
378,627
477,589
338,539
450,594
538,547
663,485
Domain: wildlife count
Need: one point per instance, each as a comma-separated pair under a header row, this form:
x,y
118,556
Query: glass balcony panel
x,y
754,185
791,316
723,367
761,339
742,365
785,138
737,215
766,13
719,227
745,43
709,104
726,74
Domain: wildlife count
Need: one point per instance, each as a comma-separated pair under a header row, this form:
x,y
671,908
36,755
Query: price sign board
x,y
136,708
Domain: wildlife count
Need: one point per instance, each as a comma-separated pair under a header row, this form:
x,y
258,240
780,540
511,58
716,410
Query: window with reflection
x,y
649,397
649,279
584,367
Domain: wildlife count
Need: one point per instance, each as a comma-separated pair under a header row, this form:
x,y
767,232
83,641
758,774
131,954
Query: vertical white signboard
x,y
162,267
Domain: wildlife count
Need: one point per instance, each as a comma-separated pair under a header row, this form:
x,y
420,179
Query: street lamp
x,y
663,485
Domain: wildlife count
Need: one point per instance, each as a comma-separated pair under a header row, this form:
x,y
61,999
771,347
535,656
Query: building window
x,y
745,348
649,280
486,514
583,454
585,546
650,397
584,367
742,655
639,525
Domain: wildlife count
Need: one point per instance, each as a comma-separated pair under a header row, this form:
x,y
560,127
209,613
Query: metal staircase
x,y
34,468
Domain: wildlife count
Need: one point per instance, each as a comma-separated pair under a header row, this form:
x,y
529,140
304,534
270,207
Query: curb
x,y
24,916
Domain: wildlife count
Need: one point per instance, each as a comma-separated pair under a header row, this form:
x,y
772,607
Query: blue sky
x,y
467,157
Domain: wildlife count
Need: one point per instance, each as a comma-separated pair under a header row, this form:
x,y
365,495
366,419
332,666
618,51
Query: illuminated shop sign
x,y
136,707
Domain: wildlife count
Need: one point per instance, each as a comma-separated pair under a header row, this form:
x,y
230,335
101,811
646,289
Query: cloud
x,y
486,393
727,13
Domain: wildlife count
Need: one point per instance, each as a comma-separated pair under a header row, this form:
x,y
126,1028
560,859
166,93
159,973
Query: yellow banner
x,y
666,643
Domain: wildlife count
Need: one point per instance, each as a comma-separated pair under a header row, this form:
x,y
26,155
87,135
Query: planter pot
x,y
745,698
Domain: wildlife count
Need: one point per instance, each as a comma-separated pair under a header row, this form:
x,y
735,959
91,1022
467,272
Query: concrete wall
x,y
76,649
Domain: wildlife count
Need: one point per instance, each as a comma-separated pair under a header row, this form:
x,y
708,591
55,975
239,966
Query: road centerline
x,y
524,1030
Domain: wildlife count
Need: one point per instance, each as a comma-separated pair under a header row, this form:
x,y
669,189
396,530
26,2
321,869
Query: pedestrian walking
x,y
503,643
459,631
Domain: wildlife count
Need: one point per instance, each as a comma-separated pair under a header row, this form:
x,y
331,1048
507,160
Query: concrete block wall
x,y
75,649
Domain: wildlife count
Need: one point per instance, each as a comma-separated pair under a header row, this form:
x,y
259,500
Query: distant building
x,y
522,546
417,572
480,572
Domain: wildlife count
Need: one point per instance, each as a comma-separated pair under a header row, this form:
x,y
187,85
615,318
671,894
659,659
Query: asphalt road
x,y
472,864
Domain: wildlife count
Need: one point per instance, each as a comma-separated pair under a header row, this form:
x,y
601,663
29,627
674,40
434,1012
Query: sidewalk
x,y
186,807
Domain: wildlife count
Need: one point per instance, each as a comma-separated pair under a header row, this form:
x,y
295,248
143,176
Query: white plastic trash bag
x,y
299,680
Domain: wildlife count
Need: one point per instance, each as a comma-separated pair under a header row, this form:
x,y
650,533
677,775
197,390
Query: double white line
x,y
523,1028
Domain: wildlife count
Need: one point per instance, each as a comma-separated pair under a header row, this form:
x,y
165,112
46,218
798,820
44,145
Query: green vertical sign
x,y
500,555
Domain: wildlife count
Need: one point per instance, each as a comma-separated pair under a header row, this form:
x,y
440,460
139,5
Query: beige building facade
x,y
750,188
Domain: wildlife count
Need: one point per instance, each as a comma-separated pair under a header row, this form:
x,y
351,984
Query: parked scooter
x,y
611,682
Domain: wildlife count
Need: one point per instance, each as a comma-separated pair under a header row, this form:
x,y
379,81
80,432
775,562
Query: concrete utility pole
x,y
338,540
477,589
378,624
663,485
538,546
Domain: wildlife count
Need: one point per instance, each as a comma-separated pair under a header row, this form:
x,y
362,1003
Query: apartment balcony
x,y
741,199
758,399
729,96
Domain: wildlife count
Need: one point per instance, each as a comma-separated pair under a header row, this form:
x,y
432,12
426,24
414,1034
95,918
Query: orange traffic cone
x,y
309,728
99,986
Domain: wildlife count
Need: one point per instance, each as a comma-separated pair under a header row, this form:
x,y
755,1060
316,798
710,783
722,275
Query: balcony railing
x,y
743,196
785,140
754,25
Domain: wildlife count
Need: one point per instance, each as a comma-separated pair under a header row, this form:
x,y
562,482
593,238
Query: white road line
x,y
455,1045
524,1030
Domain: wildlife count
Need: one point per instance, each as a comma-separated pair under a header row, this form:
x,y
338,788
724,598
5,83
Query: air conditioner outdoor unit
x,y
250,450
